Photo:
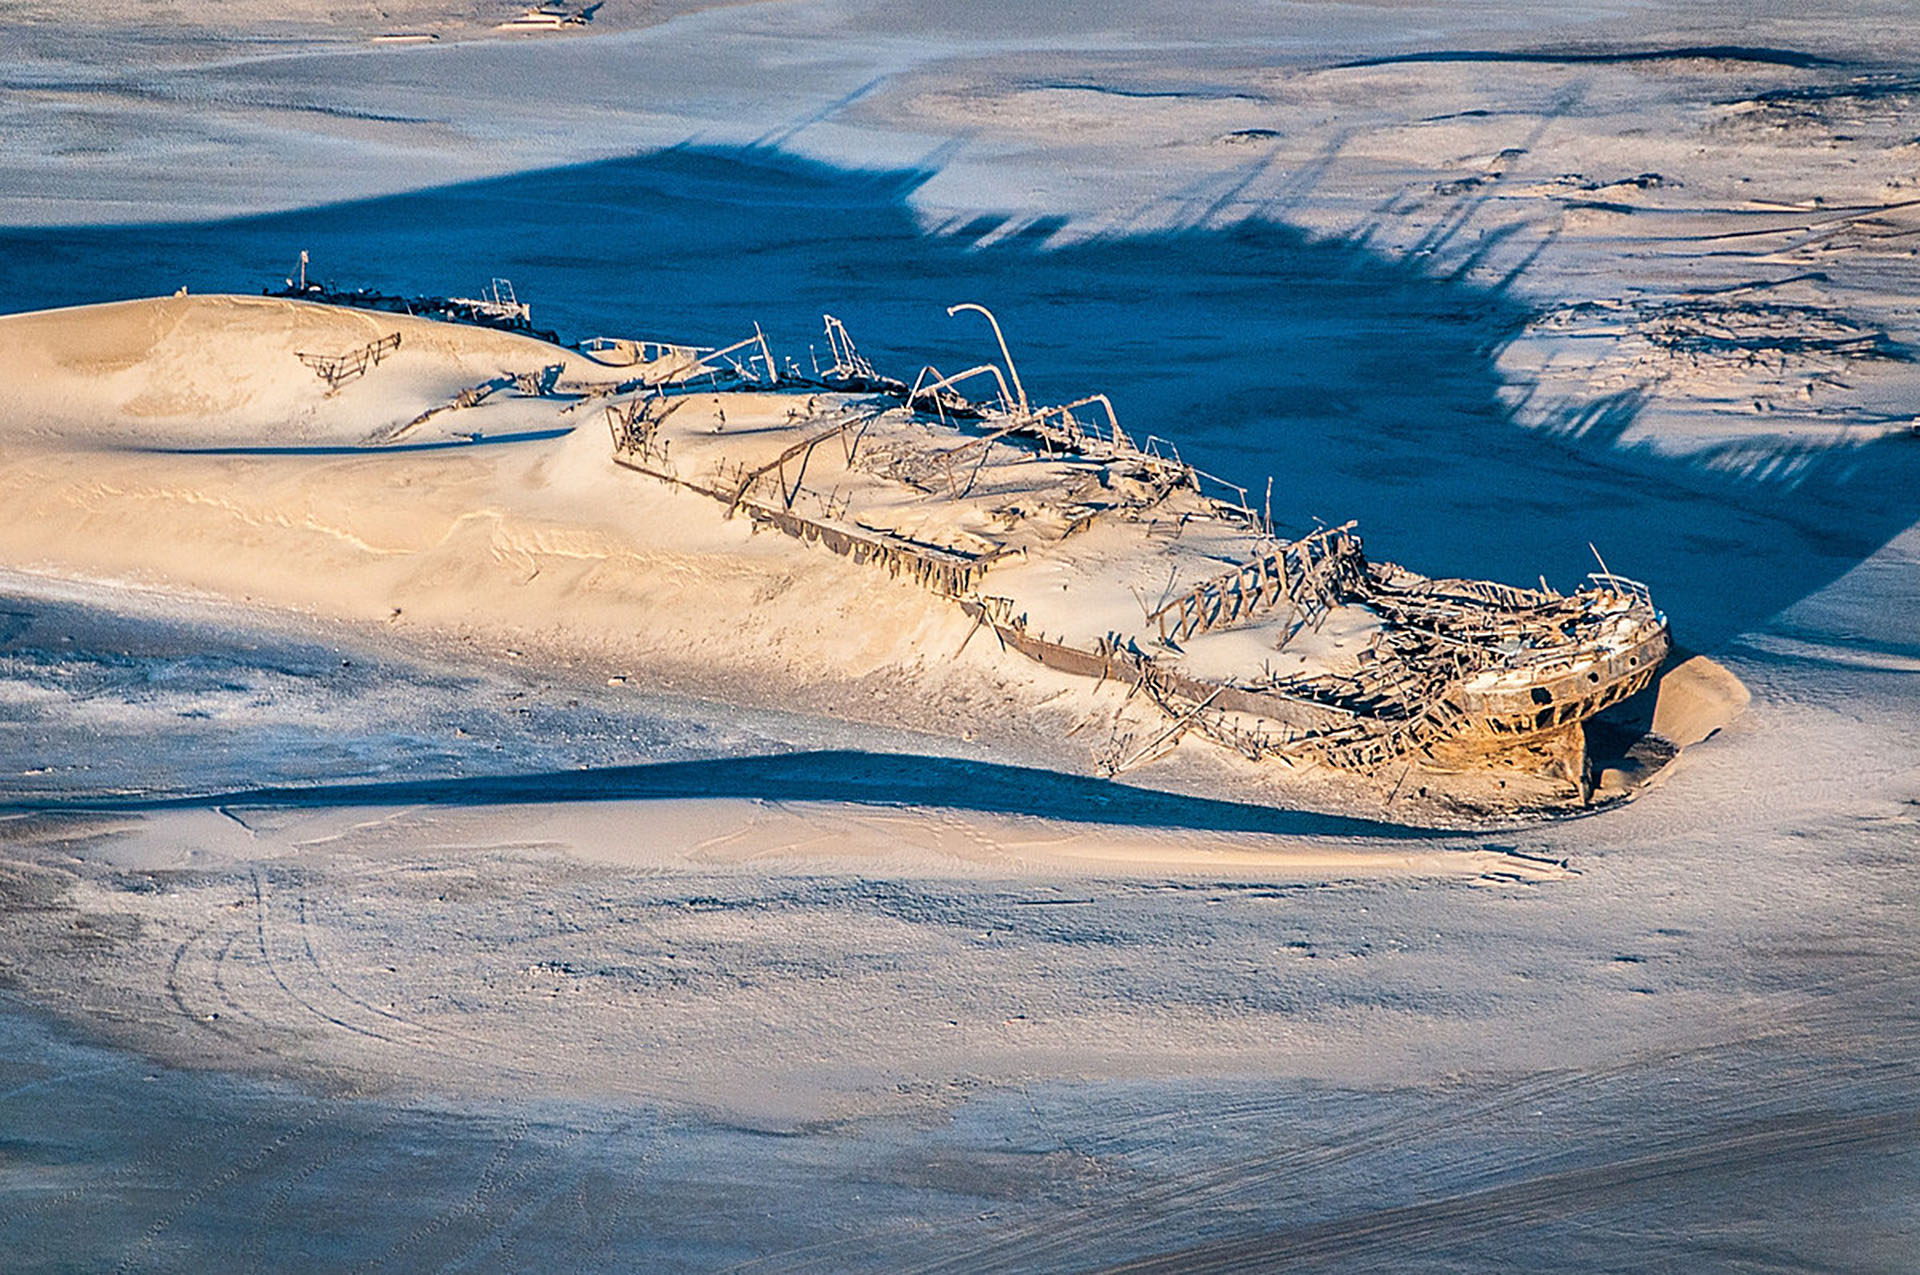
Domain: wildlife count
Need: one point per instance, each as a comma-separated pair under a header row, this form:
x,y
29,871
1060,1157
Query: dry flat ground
x,y
366,952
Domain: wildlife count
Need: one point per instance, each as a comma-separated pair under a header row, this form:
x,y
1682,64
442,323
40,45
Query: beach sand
x,y
391,877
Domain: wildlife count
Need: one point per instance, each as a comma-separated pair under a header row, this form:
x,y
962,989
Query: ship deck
x,y
1099,557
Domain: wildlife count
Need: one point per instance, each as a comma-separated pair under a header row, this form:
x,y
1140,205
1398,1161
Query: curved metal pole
x,y
947,381
1017,387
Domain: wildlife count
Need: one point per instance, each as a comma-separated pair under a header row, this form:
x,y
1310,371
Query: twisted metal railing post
x,y
1012,375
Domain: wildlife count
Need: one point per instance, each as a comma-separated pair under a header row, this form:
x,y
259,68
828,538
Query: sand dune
x,y
539,992
211,371
1697,698
144,457
185,441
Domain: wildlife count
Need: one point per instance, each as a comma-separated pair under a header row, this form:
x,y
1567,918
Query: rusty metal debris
x,y
1008,508
497,307
337,369
540,384
1311,575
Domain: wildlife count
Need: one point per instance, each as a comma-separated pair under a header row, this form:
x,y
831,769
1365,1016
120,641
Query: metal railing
x,y
1633,590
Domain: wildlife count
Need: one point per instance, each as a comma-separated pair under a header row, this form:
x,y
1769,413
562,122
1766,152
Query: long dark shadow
x,y
339,449
875,779
1576,57
1364,383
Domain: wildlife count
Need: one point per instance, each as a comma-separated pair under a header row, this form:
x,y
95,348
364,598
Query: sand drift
x,y
996,569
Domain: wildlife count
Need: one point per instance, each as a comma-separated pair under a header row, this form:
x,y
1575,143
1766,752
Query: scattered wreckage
x,y
548,17
496,306
1106,556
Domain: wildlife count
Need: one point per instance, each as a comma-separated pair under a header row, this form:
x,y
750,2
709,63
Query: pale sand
x,y
513,542
538,543
1735,951
1697,698
790,837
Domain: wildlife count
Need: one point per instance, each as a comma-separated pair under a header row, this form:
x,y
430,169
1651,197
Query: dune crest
x,y
211,370
1698,697
383,468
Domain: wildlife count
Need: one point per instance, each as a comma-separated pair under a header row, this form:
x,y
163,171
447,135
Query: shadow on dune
x,y
1363,383
1604,57
471,440
880,779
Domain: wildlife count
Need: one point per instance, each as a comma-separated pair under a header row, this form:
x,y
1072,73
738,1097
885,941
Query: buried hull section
x,y
1104,557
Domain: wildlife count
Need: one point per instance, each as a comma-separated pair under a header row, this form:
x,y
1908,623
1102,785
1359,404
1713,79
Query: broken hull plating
x,y
1102,558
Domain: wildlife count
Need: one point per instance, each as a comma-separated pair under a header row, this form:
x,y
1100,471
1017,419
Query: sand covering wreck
x,y
359,460
1104,557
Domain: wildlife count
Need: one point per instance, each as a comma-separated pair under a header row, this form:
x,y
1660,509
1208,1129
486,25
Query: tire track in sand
x,y
1431,1224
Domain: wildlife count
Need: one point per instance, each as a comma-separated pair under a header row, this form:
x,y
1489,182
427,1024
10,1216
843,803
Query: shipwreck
x,y
1105,555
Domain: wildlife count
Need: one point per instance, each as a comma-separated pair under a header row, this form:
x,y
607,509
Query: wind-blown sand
x,y
773,1002
182,441
199,372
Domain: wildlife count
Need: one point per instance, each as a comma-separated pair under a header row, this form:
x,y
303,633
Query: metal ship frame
x,y
1099,554
1106,556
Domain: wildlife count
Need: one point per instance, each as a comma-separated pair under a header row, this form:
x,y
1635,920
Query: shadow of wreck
x,y
859,778
1363,382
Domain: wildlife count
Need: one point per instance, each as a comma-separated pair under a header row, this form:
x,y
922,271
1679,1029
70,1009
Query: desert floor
x,y
326,944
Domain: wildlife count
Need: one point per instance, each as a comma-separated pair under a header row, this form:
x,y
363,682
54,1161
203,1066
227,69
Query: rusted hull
x,y
1572,697
1454,672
